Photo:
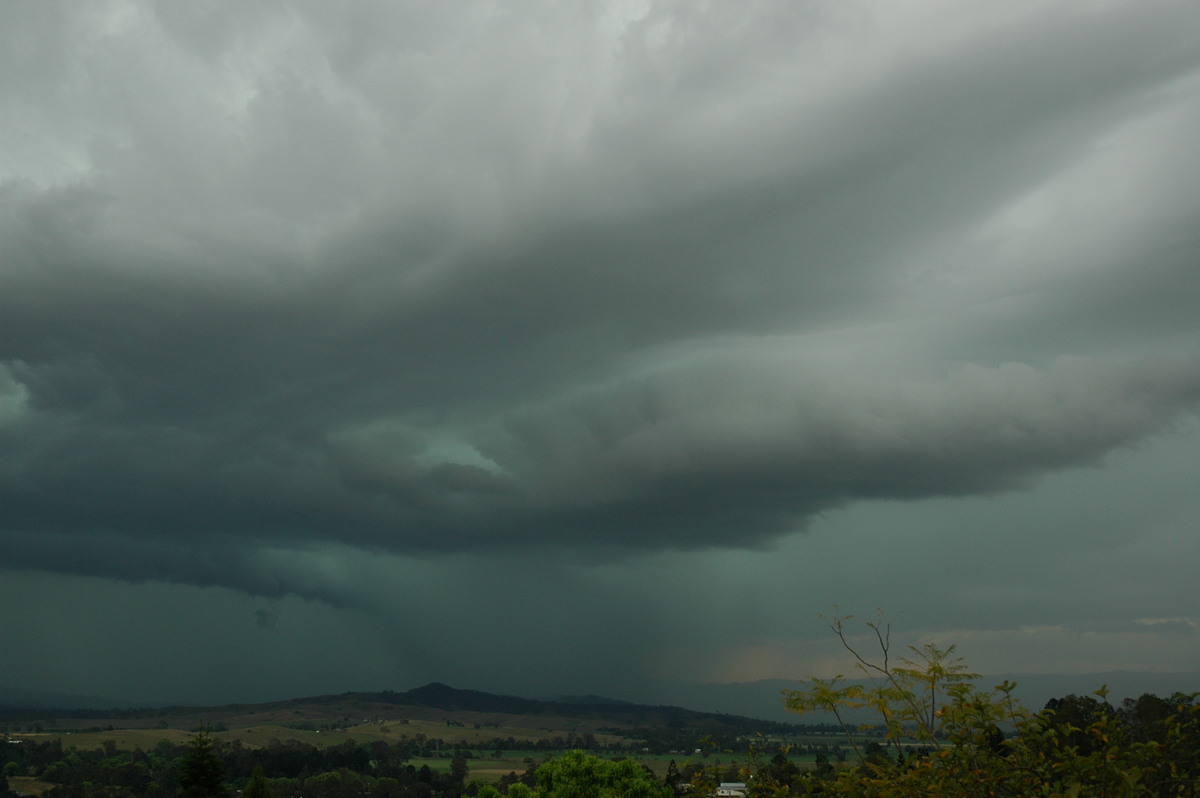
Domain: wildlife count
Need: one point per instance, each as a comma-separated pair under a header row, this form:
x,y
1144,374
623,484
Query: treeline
x,y
375,770
981,745
942,734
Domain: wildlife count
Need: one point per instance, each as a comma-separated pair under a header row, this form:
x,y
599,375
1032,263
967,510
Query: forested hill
x,y
442,696
433,701
438,696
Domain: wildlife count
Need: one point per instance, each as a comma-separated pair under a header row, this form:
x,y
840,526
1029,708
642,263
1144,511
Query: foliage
x,y
257,786
202,774
579,775
942,735
289,769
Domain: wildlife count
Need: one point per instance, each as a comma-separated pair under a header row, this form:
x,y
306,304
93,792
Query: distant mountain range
x,y
764,699
722,705
435,701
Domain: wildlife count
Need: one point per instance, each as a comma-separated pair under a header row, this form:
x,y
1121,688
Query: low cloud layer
x,y
612,280
146,464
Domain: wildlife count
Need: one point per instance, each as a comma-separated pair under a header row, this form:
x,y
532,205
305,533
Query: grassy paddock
x,y
125,739
489,768
261,735
26,785
483,764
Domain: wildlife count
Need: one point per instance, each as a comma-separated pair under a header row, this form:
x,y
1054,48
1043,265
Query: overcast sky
x,y
538,347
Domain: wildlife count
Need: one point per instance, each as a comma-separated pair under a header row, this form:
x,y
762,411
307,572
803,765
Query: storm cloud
x,y
604,280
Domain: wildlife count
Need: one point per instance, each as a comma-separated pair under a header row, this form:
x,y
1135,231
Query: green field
x,y
483,764
258,736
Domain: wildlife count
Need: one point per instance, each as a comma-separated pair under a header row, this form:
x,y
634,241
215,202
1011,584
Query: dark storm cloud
x,y
395,279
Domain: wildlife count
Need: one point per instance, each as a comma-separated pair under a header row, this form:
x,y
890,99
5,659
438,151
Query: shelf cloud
x,y
598,283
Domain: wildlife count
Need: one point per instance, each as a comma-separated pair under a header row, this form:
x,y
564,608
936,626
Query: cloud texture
x,y
529,280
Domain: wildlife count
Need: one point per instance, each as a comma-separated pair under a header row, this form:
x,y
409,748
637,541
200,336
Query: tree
x,y
202,774
519,790
949,740
1073,715
673,776
257,786
458,769
1148,716
579,775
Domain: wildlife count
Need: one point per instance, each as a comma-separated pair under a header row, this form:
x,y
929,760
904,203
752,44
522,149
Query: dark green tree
x,y
673,776
458,769
1146,717
202,775
1073,716
579,775
257,786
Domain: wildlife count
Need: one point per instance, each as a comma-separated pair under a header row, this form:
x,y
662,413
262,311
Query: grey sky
x,y
573,345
